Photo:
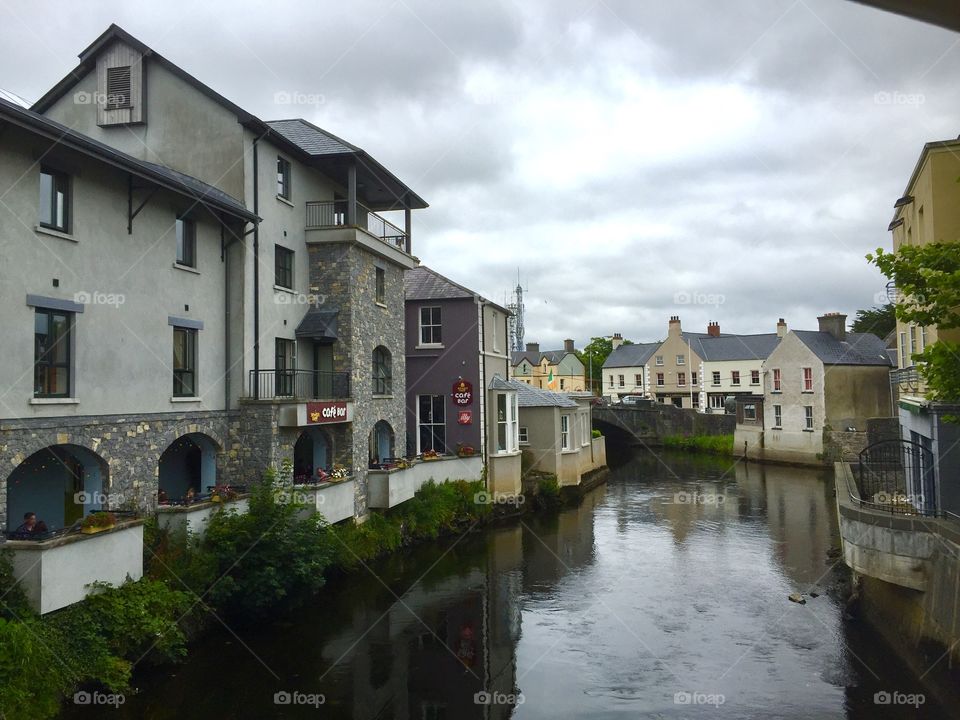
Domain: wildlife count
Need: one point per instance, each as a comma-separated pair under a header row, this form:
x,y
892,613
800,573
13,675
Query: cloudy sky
x,y
728,161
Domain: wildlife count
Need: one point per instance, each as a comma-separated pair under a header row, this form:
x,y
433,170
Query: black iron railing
x,y
897,476
333,213
298,384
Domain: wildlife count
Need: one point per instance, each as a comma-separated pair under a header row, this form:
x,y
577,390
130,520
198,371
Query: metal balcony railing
x,y
897,476
298,385
905,376
333,213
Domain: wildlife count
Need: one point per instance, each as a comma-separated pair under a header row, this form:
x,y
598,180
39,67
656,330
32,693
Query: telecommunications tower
x,y
516,322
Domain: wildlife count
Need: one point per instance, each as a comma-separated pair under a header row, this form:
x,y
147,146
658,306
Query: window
x,y
507,431
611,381
681,360
381,286
659,379
184,362
923,338
620,381
382,372
749,411
808,417
903,350
118,88
638,380
716,377
283,267
54,200
776,380
913,340
186,242
561,383
584,429
778,416
693,378
735,377
681,378
754,377
524,436
696,400
51,353
565,432
716,401
808,379
431,423
283,178
659,359
285,354
495,318
430,326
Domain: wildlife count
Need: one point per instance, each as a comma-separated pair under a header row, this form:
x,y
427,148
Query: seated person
x,y
30,524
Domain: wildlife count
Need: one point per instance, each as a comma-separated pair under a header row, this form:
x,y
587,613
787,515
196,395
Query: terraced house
x,y
194,294
557,370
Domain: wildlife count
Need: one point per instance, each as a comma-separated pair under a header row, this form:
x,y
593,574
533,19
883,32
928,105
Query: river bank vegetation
x,y
712,444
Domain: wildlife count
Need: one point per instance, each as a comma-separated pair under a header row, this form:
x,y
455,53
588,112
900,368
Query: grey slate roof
x,y
529,396
736,347
422,283
553,356
160,174
311,139
857,349
319,324
631,355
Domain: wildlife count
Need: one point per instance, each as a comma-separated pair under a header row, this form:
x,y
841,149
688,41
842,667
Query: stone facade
x,y
346,275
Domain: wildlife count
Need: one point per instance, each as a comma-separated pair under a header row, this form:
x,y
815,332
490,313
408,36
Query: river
x,y
664,594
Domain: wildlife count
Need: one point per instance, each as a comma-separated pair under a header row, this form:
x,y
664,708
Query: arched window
x,y
188,464
382,372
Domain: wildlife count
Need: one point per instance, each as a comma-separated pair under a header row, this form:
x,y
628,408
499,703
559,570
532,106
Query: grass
x,y
712,444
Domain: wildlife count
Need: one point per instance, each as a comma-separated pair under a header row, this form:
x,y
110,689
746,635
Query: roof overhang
x,y
942,13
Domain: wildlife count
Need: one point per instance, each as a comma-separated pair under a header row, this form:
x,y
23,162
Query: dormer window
x,y
118,88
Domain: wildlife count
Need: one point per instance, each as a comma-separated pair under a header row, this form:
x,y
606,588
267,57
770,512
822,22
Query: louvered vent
x,y
118,87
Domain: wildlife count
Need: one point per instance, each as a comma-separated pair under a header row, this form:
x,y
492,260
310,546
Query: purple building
x,y
456,342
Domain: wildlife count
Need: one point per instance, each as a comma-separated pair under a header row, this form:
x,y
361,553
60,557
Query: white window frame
x,y
584,429
523,435
716,401
715,377
681,359
777,417
693,378
803,379
661,380
754,377
565,432
509,422
638,380
808,418
903,350
776,380
434,327
681,379
421,423
659,361
621,382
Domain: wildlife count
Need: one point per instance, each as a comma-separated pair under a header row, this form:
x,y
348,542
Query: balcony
x,y
296,385
192,518
389,488
333,500
376,233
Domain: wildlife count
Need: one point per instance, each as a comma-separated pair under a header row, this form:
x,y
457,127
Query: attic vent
x,y
118,87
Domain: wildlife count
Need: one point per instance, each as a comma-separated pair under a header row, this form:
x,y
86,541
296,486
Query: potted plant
x,y
465,450
430,455
339,472
223,493
98,522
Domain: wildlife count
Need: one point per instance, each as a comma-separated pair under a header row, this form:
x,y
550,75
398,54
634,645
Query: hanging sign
x,y
462,393
465,417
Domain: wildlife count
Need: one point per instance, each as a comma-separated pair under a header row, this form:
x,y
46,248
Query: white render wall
x,y
389,488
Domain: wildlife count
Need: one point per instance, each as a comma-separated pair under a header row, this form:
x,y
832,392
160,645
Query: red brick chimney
x,y
568,346
713,329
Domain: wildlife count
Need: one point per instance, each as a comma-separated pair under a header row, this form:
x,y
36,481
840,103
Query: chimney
x,y
616,341
781,327
834,323
568,345
713,329
533,347
673,328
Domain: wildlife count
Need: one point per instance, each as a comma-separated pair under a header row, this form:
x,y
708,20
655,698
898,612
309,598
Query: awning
x,y
319,324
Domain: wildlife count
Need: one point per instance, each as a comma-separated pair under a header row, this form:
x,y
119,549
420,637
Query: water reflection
x,y
671,580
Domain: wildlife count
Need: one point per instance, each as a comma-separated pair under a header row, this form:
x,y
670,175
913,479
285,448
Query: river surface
x,y
664,594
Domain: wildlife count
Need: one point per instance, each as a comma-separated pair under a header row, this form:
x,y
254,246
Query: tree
x,y
595,354
928,284
881,321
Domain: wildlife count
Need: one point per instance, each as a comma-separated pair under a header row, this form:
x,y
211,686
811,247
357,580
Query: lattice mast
x,y
516,322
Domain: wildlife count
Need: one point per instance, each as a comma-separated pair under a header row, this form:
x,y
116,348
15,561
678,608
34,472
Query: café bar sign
x,y
462,393
315,413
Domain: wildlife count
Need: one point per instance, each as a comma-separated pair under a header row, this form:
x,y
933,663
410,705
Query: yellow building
x,y
557,370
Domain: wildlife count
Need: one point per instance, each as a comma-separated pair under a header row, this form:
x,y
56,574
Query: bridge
x,y
649,423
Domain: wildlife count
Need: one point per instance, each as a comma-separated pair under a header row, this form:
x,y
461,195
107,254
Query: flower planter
x,y
95,530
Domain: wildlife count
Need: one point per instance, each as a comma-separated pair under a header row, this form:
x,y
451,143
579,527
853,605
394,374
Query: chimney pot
x,y
834,323
616,341
713,329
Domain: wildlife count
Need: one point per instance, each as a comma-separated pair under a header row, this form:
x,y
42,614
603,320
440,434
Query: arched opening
x,y
188,468
382,371
60,484
312,452
381,444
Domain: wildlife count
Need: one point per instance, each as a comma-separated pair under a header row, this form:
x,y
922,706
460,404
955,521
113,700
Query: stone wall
x,y
649,424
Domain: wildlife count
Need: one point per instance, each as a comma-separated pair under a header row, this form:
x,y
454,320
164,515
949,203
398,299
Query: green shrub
x,y
597,433
34,677
13,601
548,492
714,444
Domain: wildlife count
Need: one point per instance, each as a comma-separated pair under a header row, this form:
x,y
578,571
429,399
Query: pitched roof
x,y
423,283
736,347
161,175
385,191
529,396
319,324
553,356
857,349
631,355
